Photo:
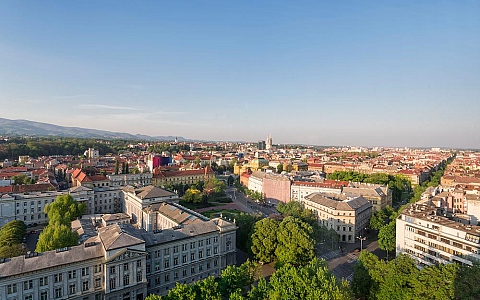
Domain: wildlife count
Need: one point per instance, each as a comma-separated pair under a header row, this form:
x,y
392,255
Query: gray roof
x,y
20,265
149,192
115,237
351,204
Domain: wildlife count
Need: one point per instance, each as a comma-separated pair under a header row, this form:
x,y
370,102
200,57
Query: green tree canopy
x,y
295,242
193,195
386,237
264,239
64,210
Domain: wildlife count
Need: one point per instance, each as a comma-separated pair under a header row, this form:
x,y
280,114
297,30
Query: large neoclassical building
x,y
169,244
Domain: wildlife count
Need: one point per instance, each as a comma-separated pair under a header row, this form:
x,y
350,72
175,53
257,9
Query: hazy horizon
x,y
351,73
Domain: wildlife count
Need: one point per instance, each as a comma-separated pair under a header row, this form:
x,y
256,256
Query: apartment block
x,y
432,235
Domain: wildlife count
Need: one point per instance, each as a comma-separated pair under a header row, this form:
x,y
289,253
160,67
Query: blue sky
x,y
371,73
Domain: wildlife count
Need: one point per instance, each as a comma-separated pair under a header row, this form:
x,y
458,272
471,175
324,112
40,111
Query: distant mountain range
x,y
31,128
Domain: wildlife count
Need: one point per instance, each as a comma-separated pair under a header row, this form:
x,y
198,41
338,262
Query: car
x,y
251,206
33,232
357,249
29,226
35,224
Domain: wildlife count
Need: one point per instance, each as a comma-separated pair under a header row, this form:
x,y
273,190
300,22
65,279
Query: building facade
x,y
348,217
430,235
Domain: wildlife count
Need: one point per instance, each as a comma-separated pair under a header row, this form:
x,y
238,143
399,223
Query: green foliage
x,y
214,188
56,236
234,278
22,179
386,237
192,196
382,217
295,242
11,239
264,239
280,168
64,210
313,281
245,223
397,183
58,233
401,279
289,168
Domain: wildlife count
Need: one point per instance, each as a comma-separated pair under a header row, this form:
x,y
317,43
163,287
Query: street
x,y
249,205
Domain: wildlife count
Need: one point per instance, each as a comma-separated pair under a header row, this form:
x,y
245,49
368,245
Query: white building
x,y
430,235
141,179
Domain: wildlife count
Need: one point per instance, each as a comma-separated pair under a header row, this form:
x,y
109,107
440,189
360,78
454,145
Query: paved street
x,y
249,205
341,263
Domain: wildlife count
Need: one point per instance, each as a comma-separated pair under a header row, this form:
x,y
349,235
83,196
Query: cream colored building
x,y
348,217
430,236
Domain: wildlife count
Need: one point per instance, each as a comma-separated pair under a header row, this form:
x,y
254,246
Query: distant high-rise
x,y
261,145
268,144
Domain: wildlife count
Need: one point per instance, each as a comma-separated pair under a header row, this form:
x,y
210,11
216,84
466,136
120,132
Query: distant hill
x,y
31,128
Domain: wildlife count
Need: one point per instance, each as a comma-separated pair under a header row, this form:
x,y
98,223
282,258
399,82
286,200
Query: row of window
x,y
185,273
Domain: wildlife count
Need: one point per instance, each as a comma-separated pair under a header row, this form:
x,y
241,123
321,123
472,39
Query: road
x,y
341,263
248,205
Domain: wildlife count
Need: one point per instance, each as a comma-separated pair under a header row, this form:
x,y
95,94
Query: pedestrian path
x,y
351,257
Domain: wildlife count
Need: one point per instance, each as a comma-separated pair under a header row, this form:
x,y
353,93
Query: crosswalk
x,y
331,255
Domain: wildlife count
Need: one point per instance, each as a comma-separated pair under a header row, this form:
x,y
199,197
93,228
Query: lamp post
x,y
361,241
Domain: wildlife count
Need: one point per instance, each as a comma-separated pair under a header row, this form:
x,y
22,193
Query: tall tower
x,y
268,143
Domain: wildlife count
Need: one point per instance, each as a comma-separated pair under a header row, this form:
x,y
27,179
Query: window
x,y
85,271
209,252
12,288
139,276
157,280
29,297
125,267
167,263
98,282
139,263
112,270
215,239
184,260
175,261
167,278
85,286
58,277
192,256
72,274
71,289
200,267
157,253
58,292
208,265
215,250
184,247
166,251
43,281
98,268
184,273
175,249
126,279
112,283
27,285
215,263
209,241
192,245
192,270
200,243
44,295
200,254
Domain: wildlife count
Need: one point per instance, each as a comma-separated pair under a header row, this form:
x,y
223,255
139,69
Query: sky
x,y
360,73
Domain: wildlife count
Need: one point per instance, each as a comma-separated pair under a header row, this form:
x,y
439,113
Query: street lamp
x,y
361,241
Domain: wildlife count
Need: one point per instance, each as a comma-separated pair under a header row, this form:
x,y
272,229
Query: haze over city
x,y
351,73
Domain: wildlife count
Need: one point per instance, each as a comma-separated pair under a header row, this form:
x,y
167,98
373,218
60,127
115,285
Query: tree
x,y
234,278
126,168
58,233
11,239
245,223
193,196
312,281
279,168
55,236
264,239
117,169
295,242
386,237
64,210
289,168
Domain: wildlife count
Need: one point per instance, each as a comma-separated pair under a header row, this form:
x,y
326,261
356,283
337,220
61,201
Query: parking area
x,y
32,237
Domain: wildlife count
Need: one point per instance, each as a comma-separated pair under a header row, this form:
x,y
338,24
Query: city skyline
x,y
366,74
